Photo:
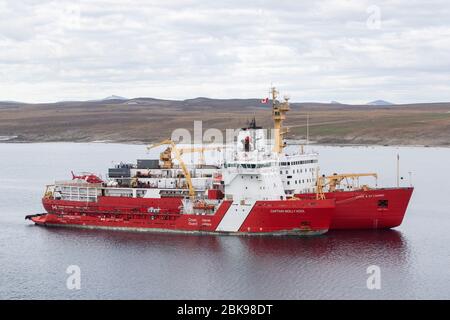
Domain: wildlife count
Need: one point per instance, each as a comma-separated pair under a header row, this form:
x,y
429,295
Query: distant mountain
x,y
380,103
10,101
113,97
335,102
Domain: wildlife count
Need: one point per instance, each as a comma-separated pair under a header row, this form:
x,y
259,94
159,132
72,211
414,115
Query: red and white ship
x,y
258,189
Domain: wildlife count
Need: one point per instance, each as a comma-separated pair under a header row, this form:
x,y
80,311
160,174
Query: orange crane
x,y
335,180
166,158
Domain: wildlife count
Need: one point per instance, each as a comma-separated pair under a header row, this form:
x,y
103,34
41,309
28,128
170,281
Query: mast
x,y
307,129
279,110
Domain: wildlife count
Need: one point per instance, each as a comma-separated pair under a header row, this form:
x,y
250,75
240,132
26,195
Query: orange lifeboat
x,y
201,205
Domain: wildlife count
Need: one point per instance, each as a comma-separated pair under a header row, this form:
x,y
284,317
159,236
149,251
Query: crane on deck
x,y
335,180
167,160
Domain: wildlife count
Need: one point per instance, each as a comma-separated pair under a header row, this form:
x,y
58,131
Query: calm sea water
x,y
414,259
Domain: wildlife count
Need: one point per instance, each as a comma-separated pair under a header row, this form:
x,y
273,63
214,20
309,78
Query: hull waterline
x,y
301,217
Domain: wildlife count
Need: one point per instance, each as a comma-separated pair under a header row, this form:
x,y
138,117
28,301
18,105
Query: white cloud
x,y
315,51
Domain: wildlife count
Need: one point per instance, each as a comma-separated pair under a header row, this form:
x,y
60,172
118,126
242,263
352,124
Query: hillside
x,y
143,120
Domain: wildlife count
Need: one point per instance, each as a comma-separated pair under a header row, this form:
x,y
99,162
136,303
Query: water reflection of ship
x,y
162,240
332,266
364,244
329,266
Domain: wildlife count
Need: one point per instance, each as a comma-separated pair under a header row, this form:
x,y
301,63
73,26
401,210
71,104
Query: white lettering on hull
x,y
287,211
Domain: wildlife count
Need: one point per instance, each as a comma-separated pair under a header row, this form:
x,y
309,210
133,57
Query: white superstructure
x,y
255,167
253,170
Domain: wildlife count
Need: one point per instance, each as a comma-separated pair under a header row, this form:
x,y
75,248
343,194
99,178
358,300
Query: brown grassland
x,y
145,120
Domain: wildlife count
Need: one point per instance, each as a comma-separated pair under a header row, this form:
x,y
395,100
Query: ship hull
x,y
382,208
299,217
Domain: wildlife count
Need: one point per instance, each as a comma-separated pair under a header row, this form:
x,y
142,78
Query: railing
x,y
75,193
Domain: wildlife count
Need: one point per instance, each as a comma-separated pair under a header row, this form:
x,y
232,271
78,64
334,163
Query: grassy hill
x,y
143,120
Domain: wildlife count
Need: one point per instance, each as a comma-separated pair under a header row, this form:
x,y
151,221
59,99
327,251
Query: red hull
x,y
372,209
302,217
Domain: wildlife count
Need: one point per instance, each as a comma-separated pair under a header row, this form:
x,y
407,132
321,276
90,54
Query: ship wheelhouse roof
x,y
250,165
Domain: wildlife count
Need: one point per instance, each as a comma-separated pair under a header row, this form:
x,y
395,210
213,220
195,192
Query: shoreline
x,y
424,125
324,144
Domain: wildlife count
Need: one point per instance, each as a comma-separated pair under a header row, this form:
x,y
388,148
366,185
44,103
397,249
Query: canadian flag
x,y
265,100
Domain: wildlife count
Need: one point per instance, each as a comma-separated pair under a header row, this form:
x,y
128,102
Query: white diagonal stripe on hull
x,y
235,216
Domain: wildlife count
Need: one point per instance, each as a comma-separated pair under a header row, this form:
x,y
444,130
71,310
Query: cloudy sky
x,y
349,51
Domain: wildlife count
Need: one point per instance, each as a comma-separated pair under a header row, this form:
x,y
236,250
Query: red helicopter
x,y
89,178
